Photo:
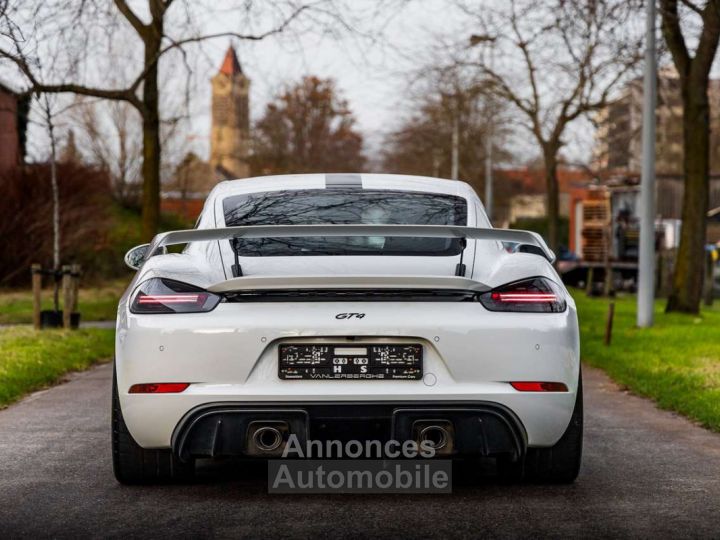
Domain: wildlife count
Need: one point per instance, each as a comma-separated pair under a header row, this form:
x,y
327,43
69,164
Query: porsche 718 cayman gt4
x,y
346,306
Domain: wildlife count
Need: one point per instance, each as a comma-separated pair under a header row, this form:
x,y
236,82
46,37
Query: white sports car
x,y
346,306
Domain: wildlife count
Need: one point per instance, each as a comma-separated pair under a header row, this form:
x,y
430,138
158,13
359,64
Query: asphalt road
x,y
646,473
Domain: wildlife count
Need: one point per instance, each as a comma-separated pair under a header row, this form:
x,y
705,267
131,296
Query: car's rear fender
x,y
237,342
230,354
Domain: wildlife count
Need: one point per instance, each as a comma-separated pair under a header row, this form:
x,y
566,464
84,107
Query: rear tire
x,y
559,464
132,464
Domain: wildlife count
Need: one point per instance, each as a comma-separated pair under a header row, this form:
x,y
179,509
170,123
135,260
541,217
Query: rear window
x,y
346,206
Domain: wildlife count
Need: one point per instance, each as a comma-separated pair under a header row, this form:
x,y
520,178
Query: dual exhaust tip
x,y
268,438
438,434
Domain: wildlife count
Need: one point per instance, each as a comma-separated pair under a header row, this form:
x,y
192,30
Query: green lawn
x,y
31,359
102,264
94,303
676,363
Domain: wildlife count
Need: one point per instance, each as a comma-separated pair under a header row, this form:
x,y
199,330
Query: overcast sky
x,y
373,76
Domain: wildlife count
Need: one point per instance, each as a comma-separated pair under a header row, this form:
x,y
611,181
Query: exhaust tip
x,y
267,438
436,435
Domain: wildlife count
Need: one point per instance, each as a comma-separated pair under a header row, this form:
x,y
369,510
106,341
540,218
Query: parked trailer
x,y
605,235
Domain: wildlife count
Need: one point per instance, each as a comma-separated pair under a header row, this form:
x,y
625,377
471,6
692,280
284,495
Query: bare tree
x,y
308,127
48,117
111,140
448,105
110,135
160,30
694,71
561,59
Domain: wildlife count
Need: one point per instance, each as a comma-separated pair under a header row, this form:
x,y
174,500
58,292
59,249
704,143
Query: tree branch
x,y
36,86
708,44
692,6
174,44
522,44
673,36
133,19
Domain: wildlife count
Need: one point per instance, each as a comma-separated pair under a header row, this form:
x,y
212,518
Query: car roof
x,y
321,181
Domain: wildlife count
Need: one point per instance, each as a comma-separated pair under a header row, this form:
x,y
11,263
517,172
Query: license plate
x,y
350,361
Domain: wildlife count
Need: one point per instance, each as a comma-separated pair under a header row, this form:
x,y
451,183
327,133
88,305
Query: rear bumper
x,y
225,429
230,356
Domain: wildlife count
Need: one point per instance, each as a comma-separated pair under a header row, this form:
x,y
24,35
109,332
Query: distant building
x,y
230,133
12,110
230,143
618,141
524,189
527,207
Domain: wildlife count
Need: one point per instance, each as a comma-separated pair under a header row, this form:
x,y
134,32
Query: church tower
x,y
230,132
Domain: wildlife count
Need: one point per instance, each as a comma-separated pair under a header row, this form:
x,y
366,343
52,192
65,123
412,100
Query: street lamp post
x,y
489,140
490,42
455,143
488,168
646,266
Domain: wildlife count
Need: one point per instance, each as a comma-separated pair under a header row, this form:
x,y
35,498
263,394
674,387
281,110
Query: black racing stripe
x,y
343,181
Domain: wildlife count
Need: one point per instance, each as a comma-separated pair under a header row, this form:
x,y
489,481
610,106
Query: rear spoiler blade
x,y
512,236
315,282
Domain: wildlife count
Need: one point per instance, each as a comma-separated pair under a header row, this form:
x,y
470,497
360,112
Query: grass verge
x,y
676,362
31,359
94,303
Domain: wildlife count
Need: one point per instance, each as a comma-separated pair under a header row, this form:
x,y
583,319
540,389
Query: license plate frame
x,y
350,361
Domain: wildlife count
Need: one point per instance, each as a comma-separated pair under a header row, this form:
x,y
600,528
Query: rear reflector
x,y
158,388
539,386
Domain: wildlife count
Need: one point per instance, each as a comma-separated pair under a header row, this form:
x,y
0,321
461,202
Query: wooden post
x,y
76,270
67,295
670,270
666,263
609,323
709,282
589,284
35,271
607,282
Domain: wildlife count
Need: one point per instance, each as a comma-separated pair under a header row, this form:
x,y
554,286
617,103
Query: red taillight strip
x,y
526,297
526,386
158,388
171,298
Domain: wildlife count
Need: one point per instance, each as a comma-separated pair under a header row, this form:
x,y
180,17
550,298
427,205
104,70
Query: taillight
x,y
536,295
159,295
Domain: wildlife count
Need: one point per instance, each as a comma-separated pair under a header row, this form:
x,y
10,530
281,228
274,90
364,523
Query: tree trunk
x,y
151,138
687,281
553,198
55,194
56,203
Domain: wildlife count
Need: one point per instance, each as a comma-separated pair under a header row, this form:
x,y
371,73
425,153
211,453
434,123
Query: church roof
x,y
231,64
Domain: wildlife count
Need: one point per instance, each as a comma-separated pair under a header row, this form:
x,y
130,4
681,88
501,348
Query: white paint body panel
x,y
230,354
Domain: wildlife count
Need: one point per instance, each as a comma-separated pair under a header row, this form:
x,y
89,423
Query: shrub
x,y
26,218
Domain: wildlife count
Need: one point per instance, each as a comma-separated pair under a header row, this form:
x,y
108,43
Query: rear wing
x,y
345,282
532,240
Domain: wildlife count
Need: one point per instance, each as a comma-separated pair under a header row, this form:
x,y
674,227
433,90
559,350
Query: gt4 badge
x,y
349,315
